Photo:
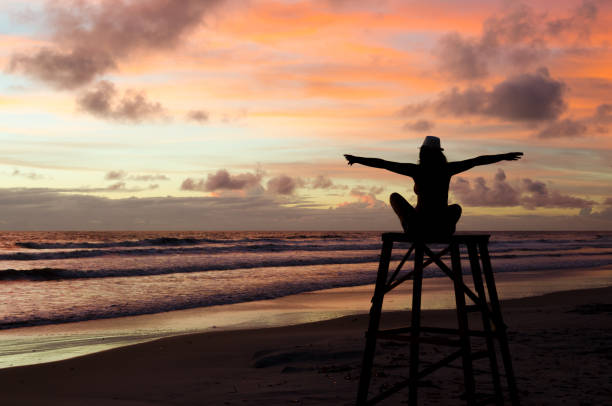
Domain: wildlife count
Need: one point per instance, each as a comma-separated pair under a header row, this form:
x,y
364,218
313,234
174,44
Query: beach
x,y
193,318
560,345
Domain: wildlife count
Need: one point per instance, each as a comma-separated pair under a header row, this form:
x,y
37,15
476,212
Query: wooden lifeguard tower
x,y
493,328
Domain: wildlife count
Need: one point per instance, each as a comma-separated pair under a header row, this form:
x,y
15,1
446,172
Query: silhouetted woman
x,y
432,216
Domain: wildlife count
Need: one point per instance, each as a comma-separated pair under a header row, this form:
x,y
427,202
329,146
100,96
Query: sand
x,y
54,342
561,344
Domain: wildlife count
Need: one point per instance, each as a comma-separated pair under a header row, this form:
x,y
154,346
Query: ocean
x,y
59,277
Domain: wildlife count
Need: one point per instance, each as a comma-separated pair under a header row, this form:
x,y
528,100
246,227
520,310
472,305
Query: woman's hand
x,y
350,158
513,156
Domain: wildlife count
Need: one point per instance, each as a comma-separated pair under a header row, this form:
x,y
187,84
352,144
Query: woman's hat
x,y
432,142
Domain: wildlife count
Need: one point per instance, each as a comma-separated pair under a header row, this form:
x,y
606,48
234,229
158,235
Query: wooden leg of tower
x,y
468,373
375,311
415,324
500,327
486,321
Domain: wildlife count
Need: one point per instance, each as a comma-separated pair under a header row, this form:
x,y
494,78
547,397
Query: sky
x,y
235,114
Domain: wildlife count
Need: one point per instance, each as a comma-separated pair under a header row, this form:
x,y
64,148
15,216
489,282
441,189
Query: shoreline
x,y
54,342
559,344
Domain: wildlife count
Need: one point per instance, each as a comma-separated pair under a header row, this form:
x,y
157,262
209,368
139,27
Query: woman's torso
x,y
431,186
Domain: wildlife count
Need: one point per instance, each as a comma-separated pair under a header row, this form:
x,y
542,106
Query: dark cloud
x,y
63,70
580,21
602,118
538,195
603,114
377,189
535,187
462,58
565,128
524,98
573,128
412,110
90,38
105,102
478,193
28,175
193,184
222,180
518,25
500,193
518,37
119,175
472,100
199,116
500,176
148,178
45,209
117,186
114,175
419,126
283,185
527,97
322,182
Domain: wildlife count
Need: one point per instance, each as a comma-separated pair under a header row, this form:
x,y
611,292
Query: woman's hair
x,y
432,157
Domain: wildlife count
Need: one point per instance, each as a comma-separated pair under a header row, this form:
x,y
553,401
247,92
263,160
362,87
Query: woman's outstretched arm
x,y
461,166
397,167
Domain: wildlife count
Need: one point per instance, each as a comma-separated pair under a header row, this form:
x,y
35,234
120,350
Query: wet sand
x,y
54,342
560,343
